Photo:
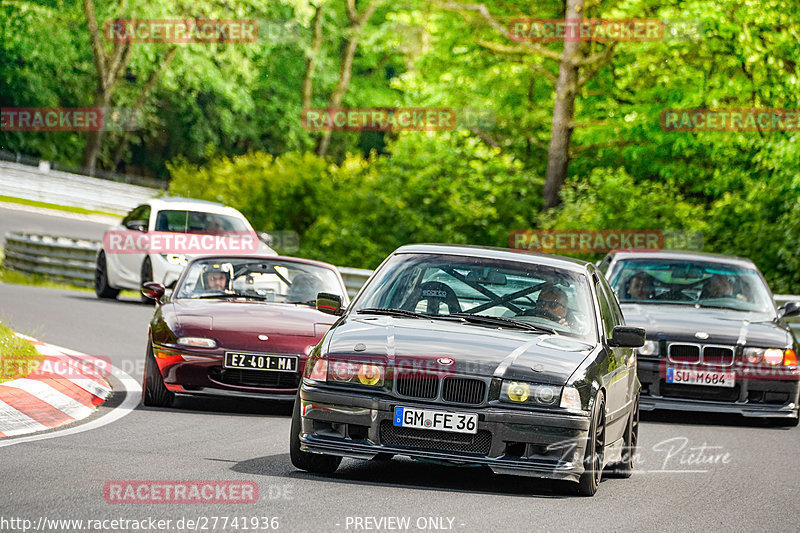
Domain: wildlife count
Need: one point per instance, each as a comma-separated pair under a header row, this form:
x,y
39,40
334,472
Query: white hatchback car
x,y
180,218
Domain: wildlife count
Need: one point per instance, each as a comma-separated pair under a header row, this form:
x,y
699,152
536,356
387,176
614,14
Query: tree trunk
x,y
94,138
311,60
346,70
563,112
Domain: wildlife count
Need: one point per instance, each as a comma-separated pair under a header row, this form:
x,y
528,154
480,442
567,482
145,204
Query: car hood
x,y
683,322
239,324
420,344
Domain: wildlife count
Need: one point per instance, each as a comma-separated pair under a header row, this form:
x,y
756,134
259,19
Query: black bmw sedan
x,y
475,356
715,341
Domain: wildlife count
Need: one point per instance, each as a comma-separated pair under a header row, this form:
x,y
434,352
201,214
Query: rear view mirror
x,y
627,337
153,290
330,304
137,225
789,309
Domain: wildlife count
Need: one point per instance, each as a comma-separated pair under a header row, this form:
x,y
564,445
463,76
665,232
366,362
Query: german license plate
x,y
408,417
713,378
260,361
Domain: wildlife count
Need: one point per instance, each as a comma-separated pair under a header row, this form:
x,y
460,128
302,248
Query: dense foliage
x,y
223,122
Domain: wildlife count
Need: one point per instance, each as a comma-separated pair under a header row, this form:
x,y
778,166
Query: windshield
x,y
198,222
699,283
443,285
271,281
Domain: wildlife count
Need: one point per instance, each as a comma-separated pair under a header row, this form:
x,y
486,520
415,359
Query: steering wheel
x,y
544,313
434,293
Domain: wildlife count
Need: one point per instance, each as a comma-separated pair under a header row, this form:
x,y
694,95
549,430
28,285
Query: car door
x,y
617,378
130,264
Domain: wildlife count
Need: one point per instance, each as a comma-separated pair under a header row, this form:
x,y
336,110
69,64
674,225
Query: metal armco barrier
x,y
73,260
63,188
354,279
64,258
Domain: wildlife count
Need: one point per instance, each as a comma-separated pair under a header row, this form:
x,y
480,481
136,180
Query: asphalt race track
x,y
694,473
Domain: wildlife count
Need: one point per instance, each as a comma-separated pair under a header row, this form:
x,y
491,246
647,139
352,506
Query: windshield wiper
x,y
502,321
404,313
222,295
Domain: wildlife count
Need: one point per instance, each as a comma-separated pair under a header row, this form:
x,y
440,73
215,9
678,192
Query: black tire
x,y
146,275
624,469
310,462
595,447
154,393
101,286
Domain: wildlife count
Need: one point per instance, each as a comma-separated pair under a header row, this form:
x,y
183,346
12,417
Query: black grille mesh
x,y
464,390
255,378
685,353
428,439
718,355
417,386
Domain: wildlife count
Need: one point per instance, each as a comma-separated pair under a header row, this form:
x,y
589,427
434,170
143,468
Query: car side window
x,y
139,213
613,303
605,309
603,266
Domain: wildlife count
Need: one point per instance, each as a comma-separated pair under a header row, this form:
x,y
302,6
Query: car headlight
x,y
571,399
531,393
370,374
175,259
753,355
773,356
649,348
197,342
770,356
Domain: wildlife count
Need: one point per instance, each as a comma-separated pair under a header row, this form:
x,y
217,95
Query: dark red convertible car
x,y
236,326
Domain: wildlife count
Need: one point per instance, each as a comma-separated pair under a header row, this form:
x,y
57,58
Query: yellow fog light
x,y
369,374
518,391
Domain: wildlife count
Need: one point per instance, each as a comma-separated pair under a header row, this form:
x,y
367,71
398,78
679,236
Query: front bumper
x,y
531,443
750,397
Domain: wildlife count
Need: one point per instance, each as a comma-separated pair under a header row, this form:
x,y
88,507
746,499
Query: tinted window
x,y
440,284
197,222
691,282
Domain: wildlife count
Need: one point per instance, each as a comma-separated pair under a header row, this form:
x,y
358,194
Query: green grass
x,y
69,209
18,357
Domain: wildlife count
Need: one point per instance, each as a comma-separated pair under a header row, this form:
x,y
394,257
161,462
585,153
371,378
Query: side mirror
x,y
266,238
153,290
330,304
137,225
789,309
626,337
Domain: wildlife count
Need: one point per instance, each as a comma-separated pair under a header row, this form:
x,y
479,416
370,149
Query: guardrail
x,y
63,258
43,184
73,260
354,279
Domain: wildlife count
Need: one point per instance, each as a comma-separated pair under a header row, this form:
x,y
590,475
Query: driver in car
x,y
217,278
717,286
552,301
640,286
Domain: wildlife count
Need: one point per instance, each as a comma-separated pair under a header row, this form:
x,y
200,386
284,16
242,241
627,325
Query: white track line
x,y
132,391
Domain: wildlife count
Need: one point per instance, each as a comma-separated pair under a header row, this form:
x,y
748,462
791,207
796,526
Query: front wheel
x,y
146,275
101,287
310,462
154,392
595,448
